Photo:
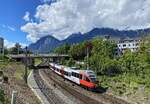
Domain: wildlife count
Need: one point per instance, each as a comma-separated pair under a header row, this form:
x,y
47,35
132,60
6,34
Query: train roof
x,y
73,69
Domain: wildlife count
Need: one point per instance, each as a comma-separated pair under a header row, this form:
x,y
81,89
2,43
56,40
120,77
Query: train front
x,y
92,78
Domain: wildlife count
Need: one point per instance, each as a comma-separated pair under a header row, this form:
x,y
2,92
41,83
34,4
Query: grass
x,y
4,62
3,65
37,61
19,73
20,70
124,84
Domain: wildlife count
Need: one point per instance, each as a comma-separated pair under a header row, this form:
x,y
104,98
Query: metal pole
x,y
18,50
3,53
87,58
26,70
13,99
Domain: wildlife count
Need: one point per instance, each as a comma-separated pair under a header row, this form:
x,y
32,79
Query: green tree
x,y
6,51
78,51
127,61
143,58
102,58
63,49
103,47
70,62
104,65
16,49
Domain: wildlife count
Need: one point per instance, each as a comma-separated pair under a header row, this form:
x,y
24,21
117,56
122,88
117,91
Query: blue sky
x,y
11,18
26,21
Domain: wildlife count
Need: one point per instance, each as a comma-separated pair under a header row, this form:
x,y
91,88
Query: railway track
x,y
79,93
51,97
83,98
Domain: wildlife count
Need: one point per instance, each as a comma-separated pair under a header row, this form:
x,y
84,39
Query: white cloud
x,y
27,16
46,1
8,27
70,16
11,28
10,44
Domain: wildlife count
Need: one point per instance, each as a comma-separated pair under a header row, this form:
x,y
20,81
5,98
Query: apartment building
x,y
123,45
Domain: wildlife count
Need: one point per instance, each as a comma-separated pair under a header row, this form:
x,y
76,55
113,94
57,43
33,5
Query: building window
x,y
124,45
137,44
129,45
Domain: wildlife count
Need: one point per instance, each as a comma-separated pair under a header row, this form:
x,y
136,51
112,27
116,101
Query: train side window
x,y
66,73
69,74
57,69
73,74
77,75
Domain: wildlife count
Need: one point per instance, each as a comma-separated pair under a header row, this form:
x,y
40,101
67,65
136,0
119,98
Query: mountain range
x,y
49,43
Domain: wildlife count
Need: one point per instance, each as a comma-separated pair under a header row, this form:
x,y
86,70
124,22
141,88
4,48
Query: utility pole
x,y
3,53
26,66
17,50
87,58
88,47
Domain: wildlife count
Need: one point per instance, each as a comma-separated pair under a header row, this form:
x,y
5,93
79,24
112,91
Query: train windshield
x,y
91,75
93,79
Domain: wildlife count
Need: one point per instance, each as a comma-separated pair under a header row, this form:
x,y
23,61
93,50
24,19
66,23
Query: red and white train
x,y
84,78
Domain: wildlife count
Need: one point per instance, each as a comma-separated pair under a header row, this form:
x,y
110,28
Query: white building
x,y
133,45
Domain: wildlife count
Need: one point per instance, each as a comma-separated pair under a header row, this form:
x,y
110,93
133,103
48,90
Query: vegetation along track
x,y
49,94
83,98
